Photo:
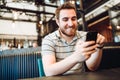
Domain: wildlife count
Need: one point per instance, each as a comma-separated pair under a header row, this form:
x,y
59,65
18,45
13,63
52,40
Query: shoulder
x,y
51,38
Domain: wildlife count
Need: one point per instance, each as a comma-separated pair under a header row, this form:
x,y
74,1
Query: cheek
x,y
75,24
62,24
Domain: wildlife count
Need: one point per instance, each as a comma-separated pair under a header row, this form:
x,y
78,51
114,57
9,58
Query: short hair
x,y
66,5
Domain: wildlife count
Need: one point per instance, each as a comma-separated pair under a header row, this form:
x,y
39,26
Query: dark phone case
x,y
91,36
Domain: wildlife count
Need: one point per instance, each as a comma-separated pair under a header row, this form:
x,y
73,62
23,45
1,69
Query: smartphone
x,y
91,36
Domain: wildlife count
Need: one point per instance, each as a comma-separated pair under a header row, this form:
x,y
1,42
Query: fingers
x,y
85,44
86,48
100,39
89,50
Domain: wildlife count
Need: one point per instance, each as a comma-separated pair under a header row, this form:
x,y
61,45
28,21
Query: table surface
x,y
106,74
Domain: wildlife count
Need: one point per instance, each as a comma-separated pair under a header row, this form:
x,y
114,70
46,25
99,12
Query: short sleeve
x,y
48,46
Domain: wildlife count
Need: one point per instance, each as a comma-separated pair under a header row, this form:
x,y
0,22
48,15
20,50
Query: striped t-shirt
x,y
54,44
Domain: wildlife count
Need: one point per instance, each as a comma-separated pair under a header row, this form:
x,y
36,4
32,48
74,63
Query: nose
x,y
70,23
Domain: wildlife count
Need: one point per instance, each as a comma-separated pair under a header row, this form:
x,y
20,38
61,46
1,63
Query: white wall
x,y
17,28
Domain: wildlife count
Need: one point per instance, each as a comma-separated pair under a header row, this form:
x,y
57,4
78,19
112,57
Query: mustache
x,y
71,27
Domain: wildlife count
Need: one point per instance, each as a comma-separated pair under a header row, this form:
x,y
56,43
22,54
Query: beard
x,y
69,31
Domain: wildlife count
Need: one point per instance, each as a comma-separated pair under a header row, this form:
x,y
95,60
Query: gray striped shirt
x,y
53,44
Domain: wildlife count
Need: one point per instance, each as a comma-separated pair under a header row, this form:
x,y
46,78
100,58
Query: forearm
x,y
56,68
94,61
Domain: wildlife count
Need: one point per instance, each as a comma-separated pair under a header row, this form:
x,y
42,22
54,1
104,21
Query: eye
x,y
74,18
65,19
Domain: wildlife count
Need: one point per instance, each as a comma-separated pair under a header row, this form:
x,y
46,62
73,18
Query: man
x,y
65,50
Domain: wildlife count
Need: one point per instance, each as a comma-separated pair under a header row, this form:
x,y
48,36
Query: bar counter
x,y
106,74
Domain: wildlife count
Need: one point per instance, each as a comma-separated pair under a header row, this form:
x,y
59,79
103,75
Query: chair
x,y
40,67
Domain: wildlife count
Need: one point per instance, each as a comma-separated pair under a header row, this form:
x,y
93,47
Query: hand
x,y
83,50
100,41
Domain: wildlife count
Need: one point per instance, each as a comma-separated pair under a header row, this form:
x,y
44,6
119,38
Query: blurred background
x,y
23,22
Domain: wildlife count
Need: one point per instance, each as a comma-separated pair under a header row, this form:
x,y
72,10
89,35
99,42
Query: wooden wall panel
x,y
102,27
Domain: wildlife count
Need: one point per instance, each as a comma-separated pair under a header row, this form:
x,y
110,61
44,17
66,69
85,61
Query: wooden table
x,y
106,74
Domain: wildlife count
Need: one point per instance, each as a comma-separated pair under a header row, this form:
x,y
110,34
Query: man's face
x,y
67,22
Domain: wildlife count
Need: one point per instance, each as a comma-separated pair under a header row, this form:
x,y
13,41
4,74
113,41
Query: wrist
x,y
100,46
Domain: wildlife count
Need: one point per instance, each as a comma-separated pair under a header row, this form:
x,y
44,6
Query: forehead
x,y
67,13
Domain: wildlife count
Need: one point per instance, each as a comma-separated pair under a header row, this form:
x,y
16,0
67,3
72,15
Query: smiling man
x,y
65,51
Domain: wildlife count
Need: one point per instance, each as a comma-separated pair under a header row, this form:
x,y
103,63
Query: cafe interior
x,y
24,23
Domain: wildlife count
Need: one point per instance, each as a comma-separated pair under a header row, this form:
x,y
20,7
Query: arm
x,y
51,67
94,61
